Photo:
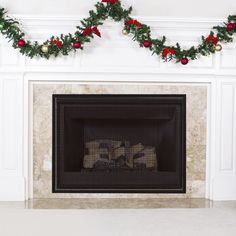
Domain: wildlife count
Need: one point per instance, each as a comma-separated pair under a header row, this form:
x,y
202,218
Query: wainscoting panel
x,y
225,174
11,143
227,124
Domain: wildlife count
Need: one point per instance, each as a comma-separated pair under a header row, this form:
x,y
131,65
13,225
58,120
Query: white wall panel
x,y
9,56
228,57
224,180
227,124
9,130
11,144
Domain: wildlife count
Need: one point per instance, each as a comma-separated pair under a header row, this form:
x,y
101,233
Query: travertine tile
x,y
196,134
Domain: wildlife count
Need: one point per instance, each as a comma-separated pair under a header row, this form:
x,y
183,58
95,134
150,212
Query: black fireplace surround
x,y
119,144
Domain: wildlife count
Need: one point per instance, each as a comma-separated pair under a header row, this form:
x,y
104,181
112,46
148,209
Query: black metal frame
x,y
60,101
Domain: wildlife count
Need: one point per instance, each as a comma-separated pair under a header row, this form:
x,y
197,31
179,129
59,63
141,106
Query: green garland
x,y
64,44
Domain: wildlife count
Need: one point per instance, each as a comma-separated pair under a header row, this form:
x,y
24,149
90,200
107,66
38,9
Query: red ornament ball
x,y
147,44
77,44
21,43
230,26
184,61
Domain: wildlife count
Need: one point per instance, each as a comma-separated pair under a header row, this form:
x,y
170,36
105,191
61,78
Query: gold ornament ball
x,y
218,47
44,49
125,32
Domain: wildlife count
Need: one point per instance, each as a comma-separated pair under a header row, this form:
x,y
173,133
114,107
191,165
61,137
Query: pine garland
x,y
66,43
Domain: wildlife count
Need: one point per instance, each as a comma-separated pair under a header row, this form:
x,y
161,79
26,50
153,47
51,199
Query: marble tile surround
x,y
42,134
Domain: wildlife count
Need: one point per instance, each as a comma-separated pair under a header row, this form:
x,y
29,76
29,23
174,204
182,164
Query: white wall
x,y
170,8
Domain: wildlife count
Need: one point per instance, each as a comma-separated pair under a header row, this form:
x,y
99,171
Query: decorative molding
x,y
227,127
11,143
199,22
234,131
115,52
224,176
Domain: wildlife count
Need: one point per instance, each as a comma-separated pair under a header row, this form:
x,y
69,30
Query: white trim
x,y
210,110
44,79
26,152
191,29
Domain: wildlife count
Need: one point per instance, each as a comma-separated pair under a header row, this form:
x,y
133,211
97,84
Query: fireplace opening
x,y
119,143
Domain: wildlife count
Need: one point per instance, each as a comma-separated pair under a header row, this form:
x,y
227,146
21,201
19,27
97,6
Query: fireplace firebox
x,y
119,143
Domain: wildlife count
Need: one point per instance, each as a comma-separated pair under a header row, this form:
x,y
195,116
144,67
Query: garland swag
x,y
64,44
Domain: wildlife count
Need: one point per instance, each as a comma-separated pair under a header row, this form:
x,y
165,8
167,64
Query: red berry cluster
x,y
133,22
212,39
57,42
168,51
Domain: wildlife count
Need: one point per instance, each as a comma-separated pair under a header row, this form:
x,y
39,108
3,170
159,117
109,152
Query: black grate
x,y
107,154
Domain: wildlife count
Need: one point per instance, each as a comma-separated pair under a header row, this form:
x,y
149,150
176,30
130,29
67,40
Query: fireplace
x,y
119,143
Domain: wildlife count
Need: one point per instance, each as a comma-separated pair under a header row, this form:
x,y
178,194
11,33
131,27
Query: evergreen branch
x,y
67,43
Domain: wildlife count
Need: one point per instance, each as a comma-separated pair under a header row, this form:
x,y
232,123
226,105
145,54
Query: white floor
x,y
220,221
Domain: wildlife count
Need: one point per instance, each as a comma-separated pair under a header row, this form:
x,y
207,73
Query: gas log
x,y
111,154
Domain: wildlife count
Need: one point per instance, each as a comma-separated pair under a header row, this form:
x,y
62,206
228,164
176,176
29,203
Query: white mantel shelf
x,y
116,59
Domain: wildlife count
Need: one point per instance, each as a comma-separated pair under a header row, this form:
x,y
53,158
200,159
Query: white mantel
x,y
116,59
